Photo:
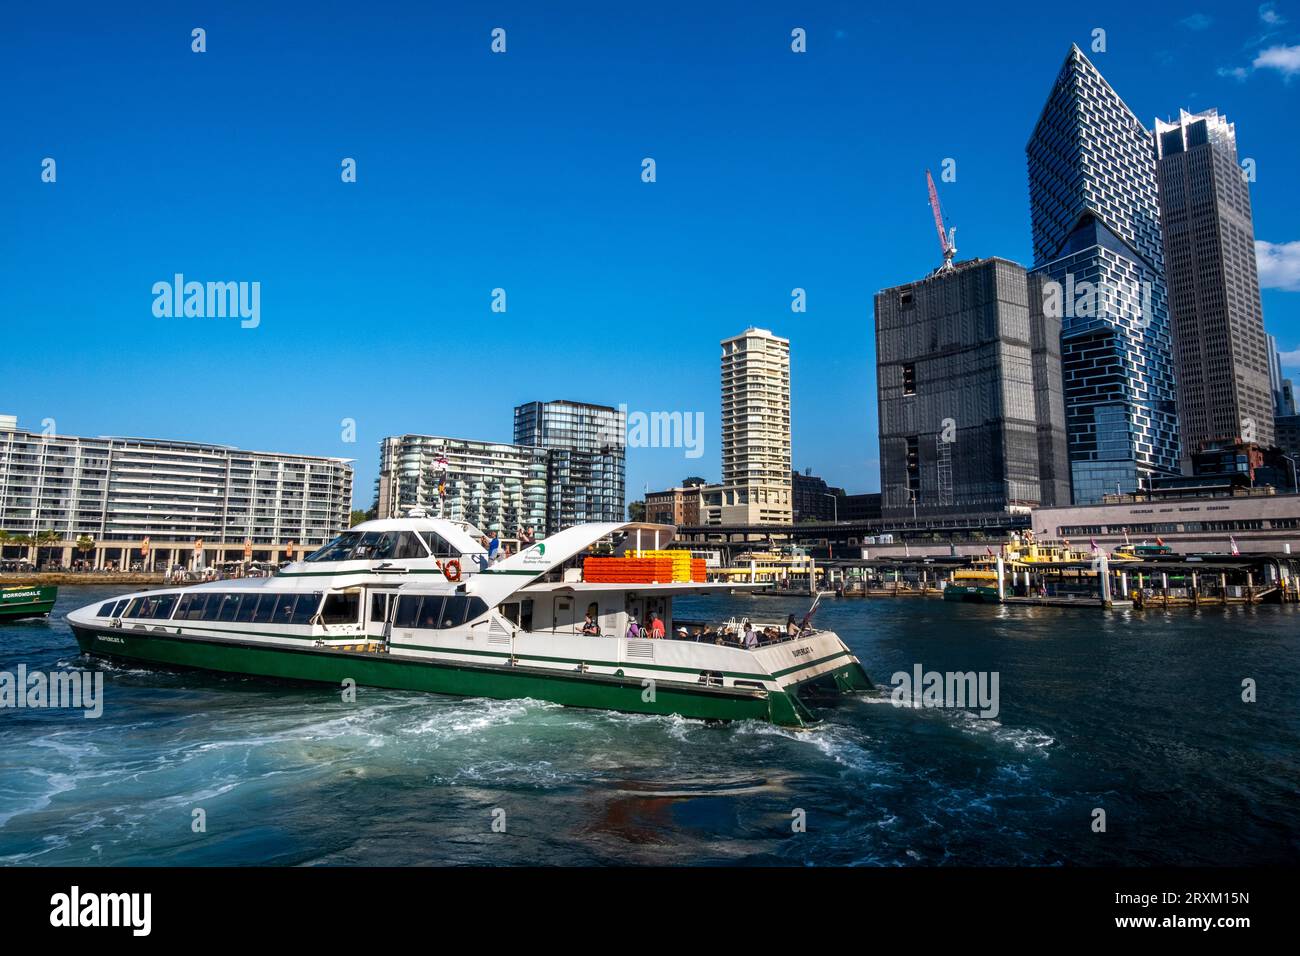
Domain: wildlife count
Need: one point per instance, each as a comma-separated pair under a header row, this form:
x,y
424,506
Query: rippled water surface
x,y
1139,714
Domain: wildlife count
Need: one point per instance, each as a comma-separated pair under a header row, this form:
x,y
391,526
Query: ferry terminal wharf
x,y
1167,582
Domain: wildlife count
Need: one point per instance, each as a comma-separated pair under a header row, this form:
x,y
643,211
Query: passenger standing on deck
x,y
751,639
494,548
633,631
791,627
656,626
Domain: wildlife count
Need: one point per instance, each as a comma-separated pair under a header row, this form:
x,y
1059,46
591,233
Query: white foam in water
x,y
38,798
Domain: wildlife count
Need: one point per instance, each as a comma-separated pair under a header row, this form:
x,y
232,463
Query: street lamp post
x,y
836,506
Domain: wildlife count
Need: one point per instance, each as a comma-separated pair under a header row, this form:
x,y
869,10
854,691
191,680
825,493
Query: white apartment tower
x,y
756,457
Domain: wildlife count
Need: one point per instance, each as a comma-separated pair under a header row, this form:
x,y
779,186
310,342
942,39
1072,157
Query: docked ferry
x,y
417,603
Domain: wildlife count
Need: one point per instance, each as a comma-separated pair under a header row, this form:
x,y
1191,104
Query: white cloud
x,y
1283,58
1279,265
1289,359
1197,21
1268,14
1238,73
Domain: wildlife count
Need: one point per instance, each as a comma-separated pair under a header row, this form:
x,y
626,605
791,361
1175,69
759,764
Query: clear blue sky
x,y
522,171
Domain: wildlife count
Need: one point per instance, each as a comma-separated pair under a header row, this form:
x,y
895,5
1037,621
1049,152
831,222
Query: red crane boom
x,y
946,243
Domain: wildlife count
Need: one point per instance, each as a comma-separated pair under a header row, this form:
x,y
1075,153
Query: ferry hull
x,y
574,689
970,592
19,603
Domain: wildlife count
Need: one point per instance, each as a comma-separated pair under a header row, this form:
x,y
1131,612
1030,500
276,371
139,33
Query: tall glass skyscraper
x,y
587,463
1097,249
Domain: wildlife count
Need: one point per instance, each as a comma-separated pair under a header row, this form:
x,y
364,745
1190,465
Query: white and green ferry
x,y
415,604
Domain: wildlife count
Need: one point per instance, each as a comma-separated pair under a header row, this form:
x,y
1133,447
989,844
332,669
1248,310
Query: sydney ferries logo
x,y
536,555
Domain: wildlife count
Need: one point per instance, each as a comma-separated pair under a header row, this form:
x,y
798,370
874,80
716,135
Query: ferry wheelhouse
x,y
416,604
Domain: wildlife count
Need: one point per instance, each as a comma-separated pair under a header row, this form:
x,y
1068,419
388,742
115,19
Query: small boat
x,y
26,600
972,584
1139,552
418,604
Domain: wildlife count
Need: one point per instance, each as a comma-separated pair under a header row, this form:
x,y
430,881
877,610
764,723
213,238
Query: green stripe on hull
x,y
598,691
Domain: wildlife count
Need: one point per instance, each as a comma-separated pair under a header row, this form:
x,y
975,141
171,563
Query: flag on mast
x,y
1234,545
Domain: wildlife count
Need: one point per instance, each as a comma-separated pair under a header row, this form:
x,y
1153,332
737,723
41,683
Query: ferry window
x,y
132,609
341,609
367,546
157,608
304,608
379,607
247,608
105,610
213,606
387,546
408,609
282,613
193,611
430,612
265,609
438,546
166,603
229,606
338,549
459,609
526,615
453,612
120,607
182,610
409,546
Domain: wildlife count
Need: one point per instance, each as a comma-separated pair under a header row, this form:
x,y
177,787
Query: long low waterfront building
x,y
1258,522
178,499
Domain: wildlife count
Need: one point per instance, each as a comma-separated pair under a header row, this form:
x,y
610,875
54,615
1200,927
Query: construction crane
x,y
947,240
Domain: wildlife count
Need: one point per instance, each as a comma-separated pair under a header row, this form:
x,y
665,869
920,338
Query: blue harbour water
x,y
1137,713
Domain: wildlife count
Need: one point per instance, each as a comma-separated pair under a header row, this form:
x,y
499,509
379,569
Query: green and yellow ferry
x,y
972,584
26,600
416,603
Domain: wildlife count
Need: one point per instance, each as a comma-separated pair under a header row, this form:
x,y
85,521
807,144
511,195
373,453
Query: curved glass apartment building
x,y
1099,257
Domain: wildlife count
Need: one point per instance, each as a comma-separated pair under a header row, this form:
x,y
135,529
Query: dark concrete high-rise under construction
x,y
972,416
